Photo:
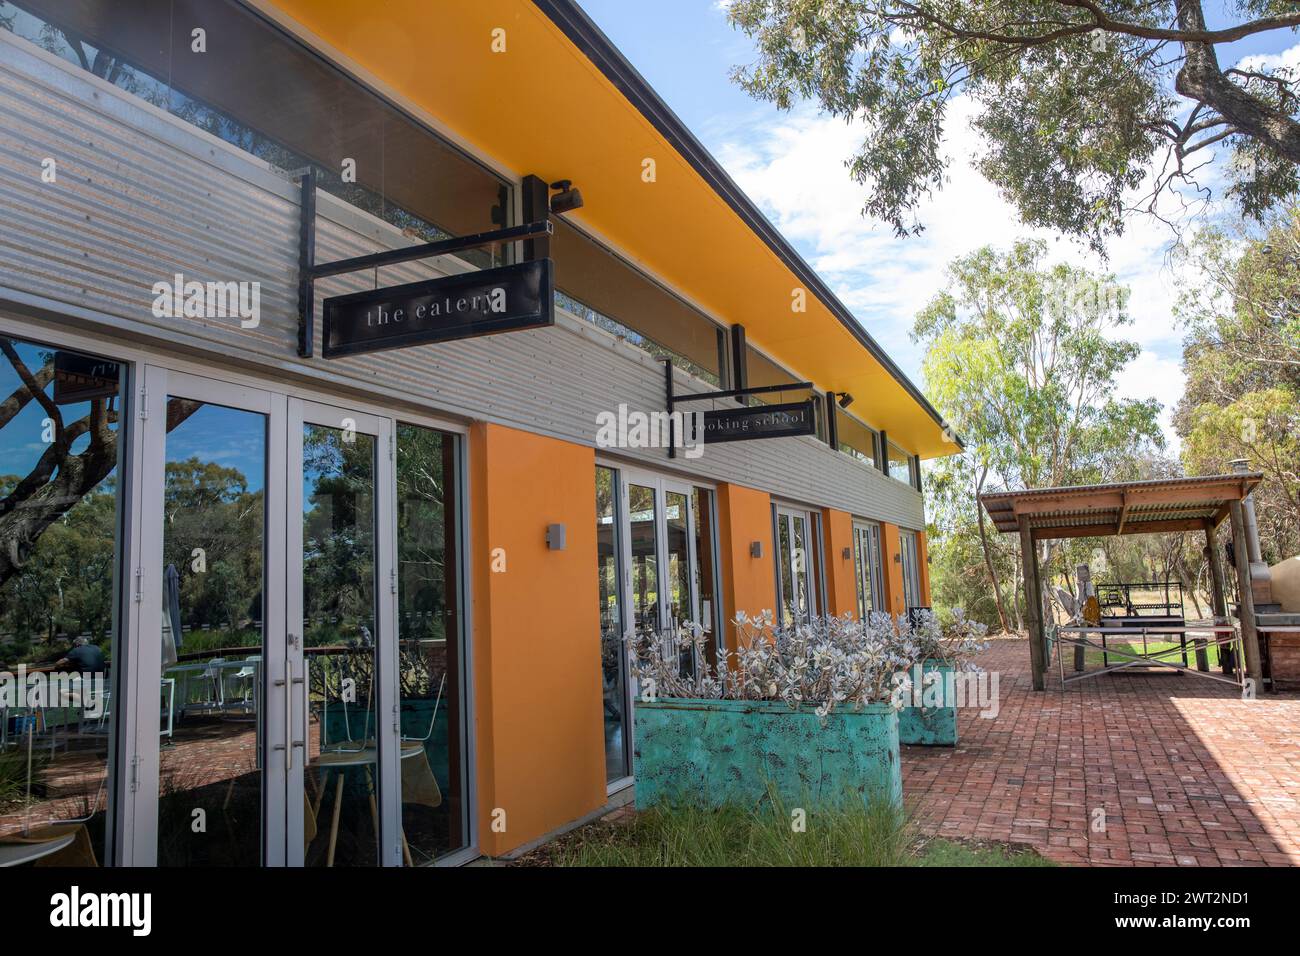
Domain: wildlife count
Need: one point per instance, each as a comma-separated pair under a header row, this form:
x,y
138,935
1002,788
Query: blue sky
x,y
792,165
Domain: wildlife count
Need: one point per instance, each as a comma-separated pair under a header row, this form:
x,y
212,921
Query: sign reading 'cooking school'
x,y
506,299
759,421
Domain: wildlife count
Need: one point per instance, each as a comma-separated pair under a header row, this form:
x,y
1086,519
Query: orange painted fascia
x,y
749,583
841,572
536,641
543,107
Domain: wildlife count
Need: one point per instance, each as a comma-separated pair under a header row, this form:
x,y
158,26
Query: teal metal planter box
x,y
933,725
717,752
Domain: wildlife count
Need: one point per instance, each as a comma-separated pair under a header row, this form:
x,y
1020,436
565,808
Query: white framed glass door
x,y
208,642
343,739
907,547
866,554
265,728
659,552
796,565
649,522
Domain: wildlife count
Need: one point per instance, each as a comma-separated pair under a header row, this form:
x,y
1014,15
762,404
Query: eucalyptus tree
x,y
1241,360
1087,109
1022,357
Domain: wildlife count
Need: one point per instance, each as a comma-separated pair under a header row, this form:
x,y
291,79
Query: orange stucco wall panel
x,y
841,579
536,642
892,557
923,560
749,583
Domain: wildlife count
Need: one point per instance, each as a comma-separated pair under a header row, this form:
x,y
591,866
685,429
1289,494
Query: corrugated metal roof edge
x,y
1255,477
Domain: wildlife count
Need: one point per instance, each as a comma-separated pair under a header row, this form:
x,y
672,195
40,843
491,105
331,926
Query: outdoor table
x,y
16,854
341,758
1076,635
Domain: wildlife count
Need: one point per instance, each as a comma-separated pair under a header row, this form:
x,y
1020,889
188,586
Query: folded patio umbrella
x,y
171,623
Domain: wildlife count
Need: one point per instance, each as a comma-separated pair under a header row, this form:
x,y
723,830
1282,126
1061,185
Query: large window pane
x,y
603,289
642,524
434,818
612,653
212,628
60,431
900,464
706,583
340,645
856,439
265,93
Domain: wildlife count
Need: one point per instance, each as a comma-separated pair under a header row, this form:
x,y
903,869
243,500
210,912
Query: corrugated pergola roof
x,y
1126,507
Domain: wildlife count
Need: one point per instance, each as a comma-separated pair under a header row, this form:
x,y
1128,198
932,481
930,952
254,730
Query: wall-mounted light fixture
x,y
898,559
567,199
844,398
555,537
756,549
846,553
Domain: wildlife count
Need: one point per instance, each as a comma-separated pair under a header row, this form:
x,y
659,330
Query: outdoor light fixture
x,y
844,398
846,553
555,537
567,199
756,549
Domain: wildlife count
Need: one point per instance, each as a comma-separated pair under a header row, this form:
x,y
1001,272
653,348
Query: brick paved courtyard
x,y
1188,774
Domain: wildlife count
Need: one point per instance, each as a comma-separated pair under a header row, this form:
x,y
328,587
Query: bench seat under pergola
x,y
1131,507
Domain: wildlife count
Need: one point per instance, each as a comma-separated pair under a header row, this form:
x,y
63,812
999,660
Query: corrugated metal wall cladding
x,y
141,196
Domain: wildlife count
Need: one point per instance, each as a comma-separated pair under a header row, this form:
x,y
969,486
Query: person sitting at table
x,y
84,657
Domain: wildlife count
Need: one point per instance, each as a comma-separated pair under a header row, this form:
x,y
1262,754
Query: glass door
x,y
796,576
616,710
343,738
278,715
648,569
866,553
911,569
210,647
659,546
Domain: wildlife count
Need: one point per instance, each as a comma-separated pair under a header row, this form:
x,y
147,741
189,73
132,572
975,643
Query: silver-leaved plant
x,y
824,663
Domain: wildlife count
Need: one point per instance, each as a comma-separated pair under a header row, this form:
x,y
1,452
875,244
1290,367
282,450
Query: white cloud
x,y
794,169
1288,59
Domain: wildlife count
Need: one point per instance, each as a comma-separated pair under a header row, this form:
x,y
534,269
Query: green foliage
x,y
691,836
1076,102
1242,363
1022,357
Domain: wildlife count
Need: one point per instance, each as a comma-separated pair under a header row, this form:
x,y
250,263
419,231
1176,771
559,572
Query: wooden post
x,y
1083,574
1218,594
1033,603
1246,599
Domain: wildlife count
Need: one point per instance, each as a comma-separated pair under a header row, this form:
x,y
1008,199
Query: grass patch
x,y
691,836
1135,647
954,853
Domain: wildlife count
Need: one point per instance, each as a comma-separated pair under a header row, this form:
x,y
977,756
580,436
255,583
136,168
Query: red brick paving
x,y
1188,774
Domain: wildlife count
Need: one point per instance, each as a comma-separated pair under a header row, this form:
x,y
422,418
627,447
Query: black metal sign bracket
x,y
309,270
674,399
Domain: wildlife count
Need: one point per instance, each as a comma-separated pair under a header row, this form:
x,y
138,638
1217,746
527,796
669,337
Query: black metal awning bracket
x,y
309,270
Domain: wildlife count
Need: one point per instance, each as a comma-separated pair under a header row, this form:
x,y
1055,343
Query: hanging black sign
x,y
80,378
759,421
506,299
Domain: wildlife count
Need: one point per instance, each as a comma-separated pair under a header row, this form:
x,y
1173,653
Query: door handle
x,y
288,683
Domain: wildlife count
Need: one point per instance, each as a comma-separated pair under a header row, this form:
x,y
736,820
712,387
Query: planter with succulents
x,y
807,714
929,714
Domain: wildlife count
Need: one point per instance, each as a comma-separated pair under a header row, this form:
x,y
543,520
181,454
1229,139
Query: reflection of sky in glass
x,y
21,441
227,437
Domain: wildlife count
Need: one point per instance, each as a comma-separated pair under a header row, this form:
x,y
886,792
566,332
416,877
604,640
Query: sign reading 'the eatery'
x,y
505,299
759,421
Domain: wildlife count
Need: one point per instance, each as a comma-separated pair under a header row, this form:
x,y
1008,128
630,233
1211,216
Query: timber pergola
x,y
1131,507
